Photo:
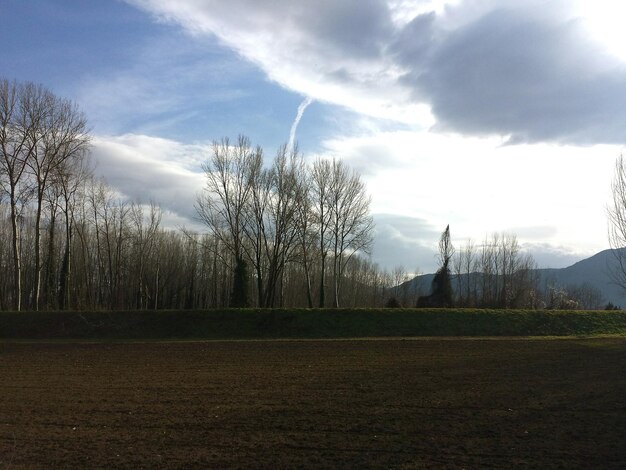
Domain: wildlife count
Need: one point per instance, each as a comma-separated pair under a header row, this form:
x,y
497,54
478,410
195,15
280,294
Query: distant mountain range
x,y
594,271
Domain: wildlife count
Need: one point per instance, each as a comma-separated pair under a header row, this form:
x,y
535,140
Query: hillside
x,y
594,271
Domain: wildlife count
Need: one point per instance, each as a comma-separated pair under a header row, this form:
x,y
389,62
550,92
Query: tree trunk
x,y
17,258
307,277
322,281
37,286
49,285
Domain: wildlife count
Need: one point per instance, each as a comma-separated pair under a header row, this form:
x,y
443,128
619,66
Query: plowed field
x,y
269,404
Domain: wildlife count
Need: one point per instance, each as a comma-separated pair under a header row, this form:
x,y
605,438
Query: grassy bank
x,y
305,323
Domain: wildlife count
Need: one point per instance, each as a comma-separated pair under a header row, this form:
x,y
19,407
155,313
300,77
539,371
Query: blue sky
x,y
517,108
132,74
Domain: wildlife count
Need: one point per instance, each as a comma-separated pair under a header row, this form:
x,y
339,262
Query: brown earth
x,y
316,404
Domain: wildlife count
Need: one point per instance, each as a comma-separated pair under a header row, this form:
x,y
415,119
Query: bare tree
x,y
350,222
504,276
305,228
617,222
61,135
144,238
464,267
401,284
21,114
109,216
320,188
223,204
280,242
70,175
38,132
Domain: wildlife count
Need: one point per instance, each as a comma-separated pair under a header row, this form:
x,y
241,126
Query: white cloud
x,y
544,193
145,169
524,69
331,51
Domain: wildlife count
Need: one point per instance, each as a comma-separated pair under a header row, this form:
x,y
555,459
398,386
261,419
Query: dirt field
x,y
392,404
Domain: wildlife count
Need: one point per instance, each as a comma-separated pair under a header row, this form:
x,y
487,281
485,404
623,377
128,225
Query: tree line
x,y
116,254
496,273
280,232
267,218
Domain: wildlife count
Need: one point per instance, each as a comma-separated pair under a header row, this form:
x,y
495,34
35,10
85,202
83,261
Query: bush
x,y
393,303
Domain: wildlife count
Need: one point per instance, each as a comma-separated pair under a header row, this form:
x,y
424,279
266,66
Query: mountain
x,y
594,272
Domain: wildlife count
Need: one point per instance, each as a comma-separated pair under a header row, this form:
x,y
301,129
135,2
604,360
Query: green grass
x,y
307,323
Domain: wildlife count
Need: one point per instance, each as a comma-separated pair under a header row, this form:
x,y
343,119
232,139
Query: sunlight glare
x,y
605,20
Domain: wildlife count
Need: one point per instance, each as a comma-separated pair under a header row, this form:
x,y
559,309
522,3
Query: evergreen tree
x,y
441,287
239,295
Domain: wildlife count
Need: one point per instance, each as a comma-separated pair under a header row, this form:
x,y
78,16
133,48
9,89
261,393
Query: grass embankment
x,y
306,323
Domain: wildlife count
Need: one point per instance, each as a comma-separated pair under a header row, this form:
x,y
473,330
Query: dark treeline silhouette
x,y
120,257
496,273
288,213
100,251
279,233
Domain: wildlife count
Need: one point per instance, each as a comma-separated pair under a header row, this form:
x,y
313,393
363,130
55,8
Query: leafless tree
x,y
222,206
38,132
61,136
305,228
280,239
464,267
144,232
351,225
401,285
617,222
507,276
20,116
69,177
321,175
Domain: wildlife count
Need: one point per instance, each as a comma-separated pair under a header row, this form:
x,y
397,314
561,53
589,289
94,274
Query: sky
x,y
490,116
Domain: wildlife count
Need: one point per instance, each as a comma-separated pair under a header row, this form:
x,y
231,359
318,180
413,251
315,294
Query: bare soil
x,y
315,404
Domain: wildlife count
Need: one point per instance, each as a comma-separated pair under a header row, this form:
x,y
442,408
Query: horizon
x,y
518,115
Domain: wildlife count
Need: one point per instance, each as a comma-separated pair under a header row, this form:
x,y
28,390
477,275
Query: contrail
x,y
292,134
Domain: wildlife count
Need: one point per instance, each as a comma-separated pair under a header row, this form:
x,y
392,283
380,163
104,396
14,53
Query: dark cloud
x,y
415,42
514,72
354,28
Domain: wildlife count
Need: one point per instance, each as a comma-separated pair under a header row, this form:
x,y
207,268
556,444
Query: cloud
x,y
294,126
543,193
331,51
555,256
402,241
527,70
411,243
144,169
514,72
